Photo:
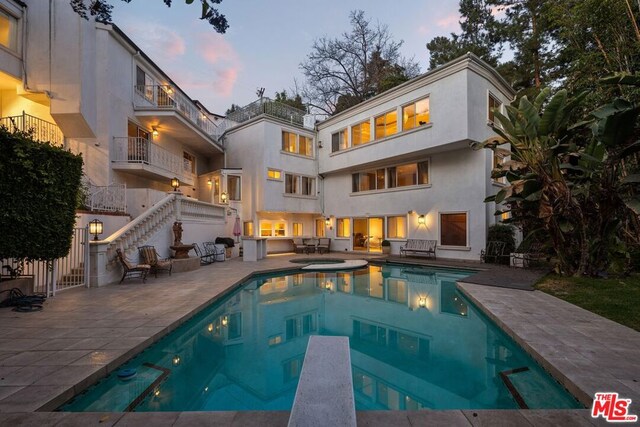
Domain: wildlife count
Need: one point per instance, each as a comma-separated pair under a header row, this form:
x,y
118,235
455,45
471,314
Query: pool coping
x,y
467,289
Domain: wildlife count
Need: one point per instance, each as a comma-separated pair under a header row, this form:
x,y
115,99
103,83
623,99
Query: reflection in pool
x,y
416,343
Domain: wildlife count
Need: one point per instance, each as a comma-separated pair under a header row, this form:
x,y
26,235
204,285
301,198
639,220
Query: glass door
x,y
368,234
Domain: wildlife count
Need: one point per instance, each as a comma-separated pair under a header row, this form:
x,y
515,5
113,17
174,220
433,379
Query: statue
x,y
177,233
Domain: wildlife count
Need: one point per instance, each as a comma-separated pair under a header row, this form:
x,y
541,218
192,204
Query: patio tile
x,y
26,419
146,419
496,418
61,358
55,344
261,419
382,418
205,419
100,358
90,343
25,358
34,398
6,391
72,375
448,418
82,419
27,375
552,418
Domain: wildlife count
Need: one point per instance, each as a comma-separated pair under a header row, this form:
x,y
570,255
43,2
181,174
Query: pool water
x,y
416,342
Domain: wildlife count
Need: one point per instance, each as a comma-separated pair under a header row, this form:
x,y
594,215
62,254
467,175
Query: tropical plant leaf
x,y
622,79
635,178
633,203
553,112
631,149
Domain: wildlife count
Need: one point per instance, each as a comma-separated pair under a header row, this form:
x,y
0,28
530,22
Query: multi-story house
x,y
396,166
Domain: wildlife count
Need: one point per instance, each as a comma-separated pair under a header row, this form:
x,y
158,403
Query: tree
x,y
295,101
574,185
101,10
233,108
344,71
479,36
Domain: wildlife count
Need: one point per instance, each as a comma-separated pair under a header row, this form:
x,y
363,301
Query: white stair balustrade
x,y
197,210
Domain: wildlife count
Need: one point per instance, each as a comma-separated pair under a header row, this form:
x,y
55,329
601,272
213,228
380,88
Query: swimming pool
x,y
416,342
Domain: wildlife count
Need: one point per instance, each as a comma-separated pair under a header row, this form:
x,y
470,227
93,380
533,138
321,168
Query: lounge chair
x,y
324,245
205,258
132,270
298,246
150,257
212,250
493,253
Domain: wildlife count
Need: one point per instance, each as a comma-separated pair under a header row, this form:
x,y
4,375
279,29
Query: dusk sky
x,y
266,40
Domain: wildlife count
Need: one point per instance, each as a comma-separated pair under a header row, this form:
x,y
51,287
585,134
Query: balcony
x,y
41,130
175,114
268,107
141,157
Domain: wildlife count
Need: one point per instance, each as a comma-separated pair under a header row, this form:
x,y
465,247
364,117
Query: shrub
x,y
386,243
39,187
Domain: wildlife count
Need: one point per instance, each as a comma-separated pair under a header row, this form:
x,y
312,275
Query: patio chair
x,y
298,246
310,245
214,251
493,253
205,258
324,245
530,254
150,257
132,270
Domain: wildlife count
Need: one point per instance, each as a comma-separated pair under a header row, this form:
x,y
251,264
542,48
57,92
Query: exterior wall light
x,y
96,228
154,131
422,220
176,360
175,184
327,221
422,302
210,327
209,182
224,197
225,321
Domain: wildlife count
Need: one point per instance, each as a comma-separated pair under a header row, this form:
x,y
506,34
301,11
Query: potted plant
x,y
386,247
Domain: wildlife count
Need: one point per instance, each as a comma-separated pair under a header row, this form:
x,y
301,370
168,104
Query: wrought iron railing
x,y
143,151
107,198
165,97
41,130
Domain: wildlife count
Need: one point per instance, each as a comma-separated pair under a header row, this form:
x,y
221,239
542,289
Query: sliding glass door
x,y
368,234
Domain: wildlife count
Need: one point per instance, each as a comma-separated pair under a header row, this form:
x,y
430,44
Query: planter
x,y
386,250
25,284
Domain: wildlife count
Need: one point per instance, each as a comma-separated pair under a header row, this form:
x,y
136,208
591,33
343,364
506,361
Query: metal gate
x,y
69,272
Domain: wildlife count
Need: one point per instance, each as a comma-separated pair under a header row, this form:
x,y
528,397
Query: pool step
x,y
325,390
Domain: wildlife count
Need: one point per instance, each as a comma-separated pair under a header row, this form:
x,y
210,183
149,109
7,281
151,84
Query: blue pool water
x,y
416,343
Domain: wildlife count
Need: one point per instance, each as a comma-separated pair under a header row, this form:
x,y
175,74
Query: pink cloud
x,y
157,40
223,59
225,81
449,22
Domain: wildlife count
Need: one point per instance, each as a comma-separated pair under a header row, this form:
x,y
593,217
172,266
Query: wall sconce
x,y
154,131
169,90
319,144
225,321
422,302
411,212
327,222
96,228
210,327
175,183
224,197
327,285
422,220
176,360
209,182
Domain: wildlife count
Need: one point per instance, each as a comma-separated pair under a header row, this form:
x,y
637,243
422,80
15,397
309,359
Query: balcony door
x,y
368,234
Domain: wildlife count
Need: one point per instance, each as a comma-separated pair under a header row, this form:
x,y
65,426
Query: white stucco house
x,y
396,166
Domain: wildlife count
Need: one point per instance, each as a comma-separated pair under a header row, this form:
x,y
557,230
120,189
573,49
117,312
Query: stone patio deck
x,y
83,334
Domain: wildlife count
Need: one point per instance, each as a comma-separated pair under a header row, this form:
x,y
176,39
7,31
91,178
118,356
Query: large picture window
x,y
343,227
386,124
234,187
361,133
453,229
298,184
494,105
367,181
416,114
396,227
297,144
340,140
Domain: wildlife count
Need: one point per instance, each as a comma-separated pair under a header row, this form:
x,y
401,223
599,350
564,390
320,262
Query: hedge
x,y
39,184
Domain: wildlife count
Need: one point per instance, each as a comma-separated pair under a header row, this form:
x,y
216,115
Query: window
x,y
233,187
291,369
494,105
8,31
306,146
416,114
274,174
397,290
296,184
386,124
275,340
406,175
189,162
396,227
361,133
266,229
498,159
339,140
247,228
289,142
297,229
235,326
298,144
280,229
367,181
343,227
453,229
320,227
300,326
216,189
144,84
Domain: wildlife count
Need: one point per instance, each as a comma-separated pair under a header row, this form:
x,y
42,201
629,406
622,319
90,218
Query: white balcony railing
x,y
41,130
165,97
142,151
